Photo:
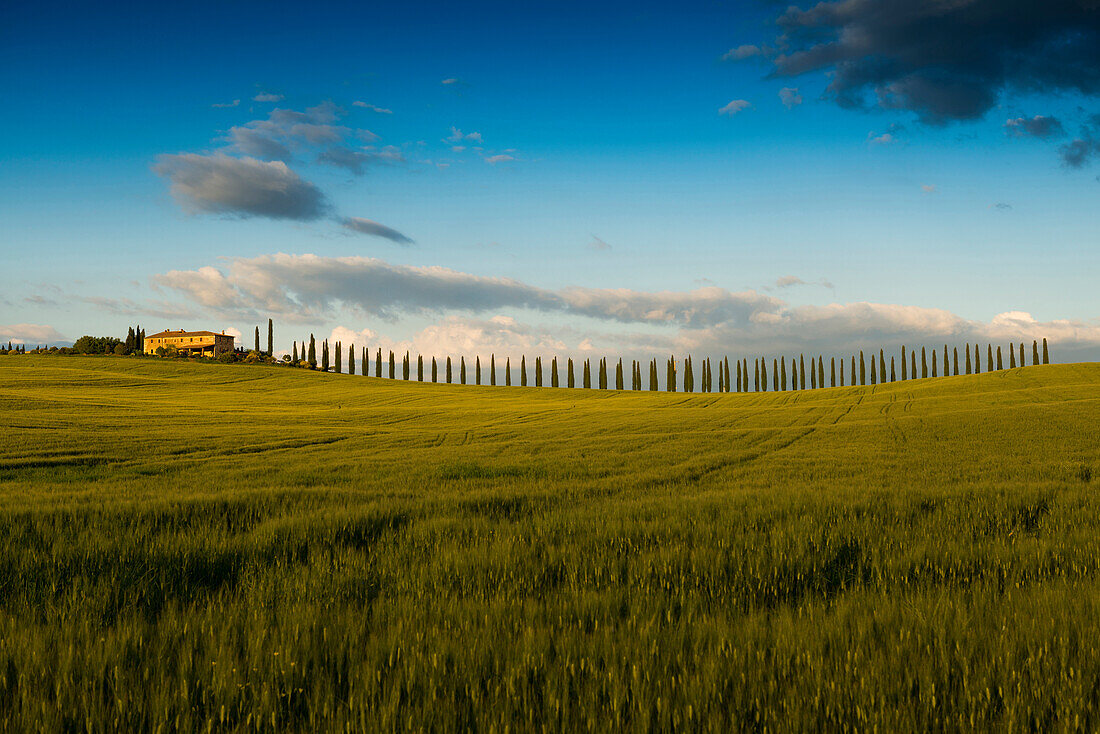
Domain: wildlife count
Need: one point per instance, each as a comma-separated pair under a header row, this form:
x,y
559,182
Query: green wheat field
x,y
210,547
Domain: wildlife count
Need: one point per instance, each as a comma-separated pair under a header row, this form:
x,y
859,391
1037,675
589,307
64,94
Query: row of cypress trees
x,y
736,379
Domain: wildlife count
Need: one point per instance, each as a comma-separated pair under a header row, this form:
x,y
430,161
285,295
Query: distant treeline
x,y
722,375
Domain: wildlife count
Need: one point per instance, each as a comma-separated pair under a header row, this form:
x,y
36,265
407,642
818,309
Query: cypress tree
x,y
571,378
1012,356
955,360
1046,353
783,373
339,357
351,359
270,338
923,363
493,369
378,363
435,370
756,375
802,371
893,374
1034,352
670,382
324,356
364,367
977,360
587,375
881,366
913,364
775,377
862,369
813,375
873,376
507,371
723,386
477,369
1000,363
294,355
934,363
462,369
904,373
989,358
619,375
393,366
420,368
523,371
405,367
538,371
448,369
969,364
739,384
130,340
820,371
653,375
257,349
312,358
554,372
603,373
832,371
1022,363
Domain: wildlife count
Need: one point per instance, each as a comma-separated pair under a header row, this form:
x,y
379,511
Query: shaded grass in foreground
x,y
198,547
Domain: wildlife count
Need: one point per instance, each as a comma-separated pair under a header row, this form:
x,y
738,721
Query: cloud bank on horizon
x,y
712,320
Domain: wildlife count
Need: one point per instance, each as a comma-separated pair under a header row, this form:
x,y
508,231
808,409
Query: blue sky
x,y
597,176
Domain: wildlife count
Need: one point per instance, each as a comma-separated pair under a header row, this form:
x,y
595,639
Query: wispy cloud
x,y
234,103
267,97
735,107
744,51
372,108
1035,127
375,229
790,97
598,244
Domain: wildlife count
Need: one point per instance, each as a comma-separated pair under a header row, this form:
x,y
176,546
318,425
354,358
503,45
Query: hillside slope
x,y
247,546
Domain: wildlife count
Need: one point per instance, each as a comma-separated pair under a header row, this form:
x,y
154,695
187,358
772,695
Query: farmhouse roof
x,y
181,332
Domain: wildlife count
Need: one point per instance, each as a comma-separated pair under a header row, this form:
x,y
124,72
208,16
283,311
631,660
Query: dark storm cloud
x,y
945,60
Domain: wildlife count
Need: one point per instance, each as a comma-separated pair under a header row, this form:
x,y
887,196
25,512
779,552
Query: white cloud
x,y
267,97
30,334
234,103
449,81
734,107
884,139
499,158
